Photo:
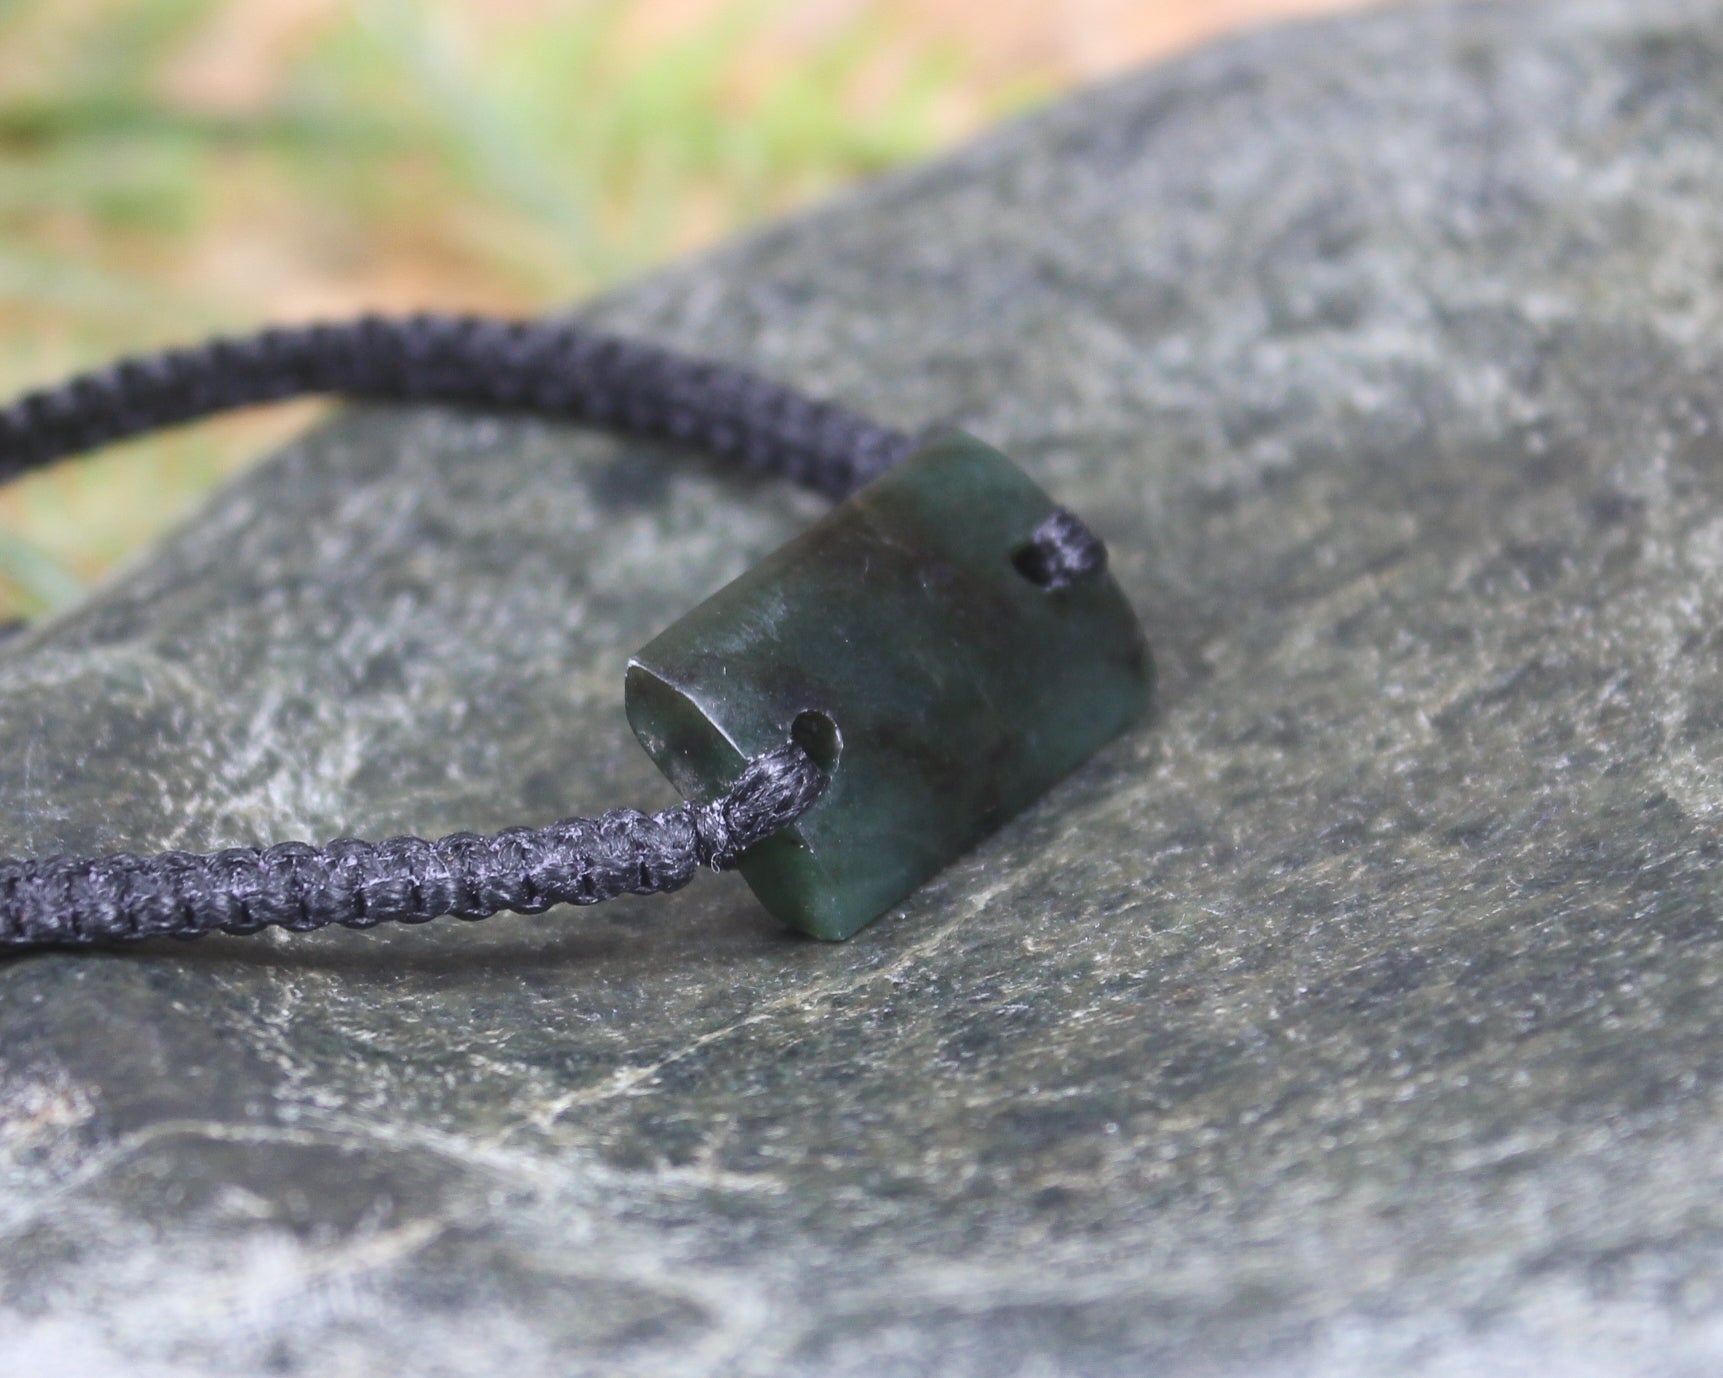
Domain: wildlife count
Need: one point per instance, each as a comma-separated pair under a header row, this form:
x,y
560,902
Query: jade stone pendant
x,y
942,688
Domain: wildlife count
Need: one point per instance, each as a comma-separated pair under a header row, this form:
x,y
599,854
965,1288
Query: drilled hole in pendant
x,y
1030,560
1061,552
818,735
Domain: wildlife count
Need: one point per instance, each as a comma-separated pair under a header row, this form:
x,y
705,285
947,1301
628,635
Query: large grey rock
x,y
1360,1015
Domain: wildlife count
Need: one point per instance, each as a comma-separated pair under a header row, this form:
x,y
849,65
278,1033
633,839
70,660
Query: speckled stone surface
x,y
1361,1015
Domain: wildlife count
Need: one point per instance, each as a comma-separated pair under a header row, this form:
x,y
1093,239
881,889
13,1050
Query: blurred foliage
x,y
392,154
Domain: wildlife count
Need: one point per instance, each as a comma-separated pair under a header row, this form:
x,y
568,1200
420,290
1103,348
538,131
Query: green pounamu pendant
x,y
942,687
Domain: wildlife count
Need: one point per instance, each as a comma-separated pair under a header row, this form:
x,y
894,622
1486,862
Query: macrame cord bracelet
x,y
741,802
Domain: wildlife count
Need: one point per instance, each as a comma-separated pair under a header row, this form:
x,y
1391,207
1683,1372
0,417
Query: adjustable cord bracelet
x,y
843,719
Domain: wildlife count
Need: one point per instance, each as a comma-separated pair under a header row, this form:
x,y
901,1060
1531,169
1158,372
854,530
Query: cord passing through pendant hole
x,y
818,735
1060,552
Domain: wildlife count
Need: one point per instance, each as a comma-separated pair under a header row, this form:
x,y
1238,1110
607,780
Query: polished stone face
x,y
1359,1014
943,689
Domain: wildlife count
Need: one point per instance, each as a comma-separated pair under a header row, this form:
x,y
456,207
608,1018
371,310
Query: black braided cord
x,y
552,368
406,880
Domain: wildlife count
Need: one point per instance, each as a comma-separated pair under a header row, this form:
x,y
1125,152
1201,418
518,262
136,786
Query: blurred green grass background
x,y
173,167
